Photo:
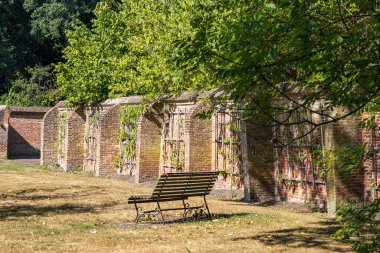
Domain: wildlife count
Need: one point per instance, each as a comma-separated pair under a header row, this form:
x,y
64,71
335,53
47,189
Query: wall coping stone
x,y
28,109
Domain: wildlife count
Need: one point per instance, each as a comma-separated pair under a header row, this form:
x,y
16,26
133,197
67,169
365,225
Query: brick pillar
x,y
244,158
198,133
331,180
75,139
107,148
148,147
4,122
49,137
371,138
258,162
342,186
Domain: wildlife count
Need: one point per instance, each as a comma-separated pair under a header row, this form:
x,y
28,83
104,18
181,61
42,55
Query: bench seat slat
x,y
168,182
166,178
183,188
153,198
173,185
195,194
176,174
162,193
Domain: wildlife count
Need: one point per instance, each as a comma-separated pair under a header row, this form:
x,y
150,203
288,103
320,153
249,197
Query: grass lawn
x,y
46,211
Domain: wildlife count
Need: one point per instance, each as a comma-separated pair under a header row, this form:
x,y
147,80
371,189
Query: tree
x,y
37,88
129,50
326,50
263,51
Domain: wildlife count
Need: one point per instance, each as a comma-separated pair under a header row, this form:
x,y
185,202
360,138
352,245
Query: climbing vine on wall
x,y
227,146
173,134
62,120
92,122
129,117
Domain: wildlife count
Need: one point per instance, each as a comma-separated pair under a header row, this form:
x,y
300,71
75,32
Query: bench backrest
x,y
187,184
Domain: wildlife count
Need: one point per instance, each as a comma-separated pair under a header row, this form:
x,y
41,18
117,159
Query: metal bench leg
x,y
160,213
138,213
184,208
208,210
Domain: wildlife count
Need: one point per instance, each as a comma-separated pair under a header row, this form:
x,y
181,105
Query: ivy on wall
x,y
129,117
62,120
90,138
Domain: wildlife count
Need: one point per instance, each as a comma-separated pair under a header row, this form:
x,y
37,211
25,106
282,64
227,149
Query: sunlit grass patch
x,y
49,211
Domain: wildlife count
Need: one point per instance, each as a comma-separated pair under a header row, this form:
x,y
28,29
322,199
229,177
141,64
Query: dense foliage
x,y
32,35
37,87
129,50
362,223
327,49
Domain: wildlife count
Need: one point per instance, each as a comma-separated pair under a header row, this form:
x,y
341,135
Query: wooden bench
x,y
177,187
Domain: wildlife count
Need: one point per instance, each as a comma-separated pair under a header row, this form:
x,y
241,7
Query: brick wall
x,y
261,181
91,136
73,154
107,149
148,146
227,152
198,134
344,186
4,118
49,137
24,133
259,163
371,138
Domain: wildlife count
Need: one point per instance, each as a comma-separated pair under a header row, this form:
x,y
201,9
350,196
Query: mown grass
x,y
47,211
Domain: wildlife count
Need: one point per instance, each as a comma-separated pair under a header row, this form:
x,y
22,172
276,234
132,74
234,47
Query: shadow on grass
x,y
246,203
169,219
16,211
301,237
15,206
52,193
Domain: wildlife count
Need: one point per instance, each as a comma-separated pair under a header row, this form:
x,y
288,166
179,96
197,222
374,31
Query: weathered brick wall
x,y
371,138
91,135
24,131
298,177
198,134
74,155
4,118
49,137
148,146
261,181
227,152
343,186
107,148
260,162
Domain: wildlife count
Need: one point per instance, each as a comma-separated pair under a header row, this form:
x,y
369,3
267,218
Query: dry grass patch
x,y
46,211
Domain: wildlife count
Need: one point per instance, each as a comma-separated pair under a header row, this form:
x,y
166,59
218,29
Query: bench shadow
x,y
301,237
214,216
170,219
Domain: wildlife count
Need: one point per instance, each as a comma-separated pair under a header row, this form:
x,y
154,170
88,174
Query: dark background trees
x,y
32,36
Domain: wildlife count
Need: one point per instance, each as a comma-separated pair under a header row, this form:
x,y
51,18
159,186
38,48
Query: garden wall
x,y
20,131
302,177
4,117
168,137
